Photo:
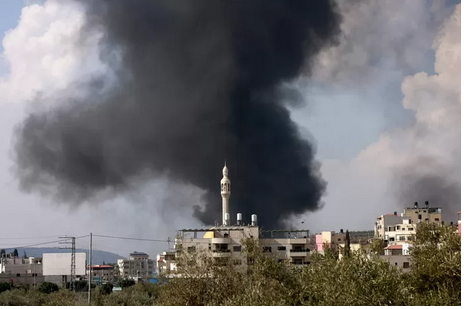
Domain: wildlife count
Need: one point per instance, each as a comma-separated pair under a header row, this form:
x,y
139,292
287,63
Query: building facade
x,y
166,263
138,265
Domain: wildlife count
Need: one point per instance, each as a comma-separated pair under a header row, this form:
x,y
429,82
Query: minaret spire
x,y
225,193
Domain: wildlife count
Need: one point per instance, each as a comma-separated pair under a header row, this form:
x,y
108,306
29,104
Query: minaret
x,y
225,193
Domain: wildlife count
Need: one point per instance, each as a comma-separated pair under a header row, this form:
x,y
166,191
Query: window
x,y
405,264
426,219
237,248
402,238
267,249
237,262
437,220
191,249
392,239
250,261
282,248
398,227
410,229
403,229
396,264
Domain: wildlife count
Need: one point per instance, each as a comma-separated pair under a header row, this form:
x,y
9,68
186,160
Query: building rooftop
x,y
135,253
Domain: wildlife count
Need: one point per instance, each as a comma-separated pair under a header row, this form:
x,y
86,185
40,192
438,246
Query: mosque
x,y
224,241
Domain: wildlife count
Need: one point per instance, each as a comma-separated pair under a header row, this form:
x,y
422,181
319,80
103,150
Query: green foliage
x,y
124,283
4,286
377,246
362,279
436,265
48,287
106,288
15,253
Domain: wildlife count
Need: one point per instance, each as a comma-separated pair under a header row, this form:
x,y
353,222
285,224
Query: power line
x,y
41,237
34,245
130,238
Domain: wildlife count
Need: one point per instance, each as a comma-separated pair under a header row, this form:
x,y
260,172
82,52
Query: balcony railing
x,y
221,251
300,250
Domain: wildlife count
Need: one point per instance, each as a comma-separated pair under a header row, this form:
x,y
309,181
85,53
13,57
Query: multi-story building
x,y
385,223
419,214
400,233
166,262
103,273
336,241
225,242
395,228
15,266
138,265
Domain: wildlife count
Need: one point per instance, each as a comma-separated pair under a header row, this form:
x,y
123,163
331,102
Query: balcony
x,y
299,252
220,240
221,253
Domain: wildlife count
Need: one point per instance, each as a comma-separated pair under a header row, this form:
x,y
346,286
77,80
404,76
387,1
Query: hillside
x,y
98,256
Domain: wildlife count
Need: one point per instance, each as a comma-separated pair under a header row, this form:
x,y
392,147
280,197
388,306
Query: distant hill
x,y
98,256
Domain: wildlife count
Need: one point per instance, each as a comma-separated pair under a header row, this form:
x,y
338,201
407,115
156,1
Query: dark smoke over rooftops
x,y
198,84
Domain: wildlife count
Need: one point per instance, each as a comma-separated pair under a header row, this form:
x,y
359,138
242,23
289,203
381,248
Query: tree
x,y
436,265
2,253
15,253
347,249
24,255
107,288
48,287
124,283
377,246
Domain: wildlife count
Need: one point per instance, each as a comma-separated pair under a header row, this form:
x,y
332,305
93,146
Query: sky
x,y
395,71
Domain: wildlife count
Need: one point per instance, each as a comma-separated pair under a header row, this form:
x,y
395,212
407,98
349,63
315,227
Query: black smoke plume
x,y
198,83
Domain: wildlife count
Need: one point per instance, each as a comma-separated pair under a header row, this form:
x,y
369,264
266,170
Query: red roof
x,y
459,212
394,247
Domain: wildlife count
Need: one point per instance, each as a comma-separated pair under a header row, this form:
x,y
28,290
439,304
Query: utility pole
x,y
90,270
73,258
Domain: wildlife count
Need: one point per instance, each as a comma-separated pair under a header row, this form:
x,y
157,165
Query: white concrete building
x,y
401,233
138,265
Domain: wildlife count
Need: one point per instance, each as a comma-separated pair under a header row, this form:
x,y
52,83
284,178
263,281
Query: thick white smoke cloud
x,y
382,177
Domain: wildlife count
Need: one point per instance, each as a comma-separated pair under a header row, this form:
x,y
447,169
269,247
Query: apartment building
x,y
138,265
21,266
103,273
400,233
424,213
166,263
336,241
394,228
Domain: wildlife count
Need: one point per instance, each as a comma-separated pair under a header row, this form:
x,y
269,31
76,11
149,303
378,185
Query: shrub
x,y
124,283
107,288
4,286
48,287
